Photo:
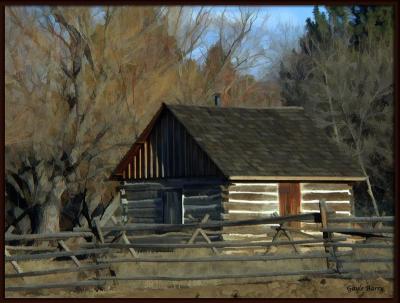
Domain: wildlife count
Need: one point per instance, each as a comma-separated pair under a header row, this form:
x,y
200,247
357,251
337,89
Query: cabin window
x,y
172,204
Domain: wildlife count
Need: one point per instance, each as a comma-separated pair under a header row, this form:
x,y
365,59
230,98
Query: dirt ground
x,y
314,288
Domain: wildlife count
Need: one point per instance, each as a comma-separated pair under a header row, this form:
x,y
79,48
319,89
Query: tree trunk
x,y
49,217
369,190
50,210
371,194
329,95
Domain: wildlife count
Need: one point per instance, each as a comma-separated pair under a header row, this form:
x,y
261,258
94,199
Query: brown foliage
x,y
82,82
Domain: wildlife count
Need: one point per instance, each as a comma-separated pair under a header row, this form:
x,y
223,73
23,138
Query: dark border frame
x,y
393,3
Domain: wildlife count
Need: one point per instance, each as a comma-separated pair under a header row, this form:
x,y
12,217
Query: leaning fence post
x,y
328,235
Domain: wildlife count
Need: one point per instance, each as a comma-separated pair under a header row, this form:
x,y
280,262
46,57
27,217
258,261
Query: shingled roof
x,y
266,143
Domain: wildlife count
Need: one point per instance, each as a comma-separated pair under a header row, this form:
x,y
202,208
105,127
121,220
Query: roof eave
x,y
298,178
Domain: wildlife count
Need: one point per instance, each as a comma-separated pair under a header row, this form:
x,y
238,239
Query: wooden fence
x,y
341,244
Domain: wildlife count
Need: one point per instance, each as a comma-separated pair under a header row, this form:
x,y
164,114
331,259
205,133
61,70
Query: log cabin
x,y
232,164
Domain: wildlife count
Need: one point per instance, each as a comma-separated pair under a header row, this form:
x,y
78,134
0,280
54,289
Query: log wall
x,y
237,201
337,196
244,201
145,201
201,200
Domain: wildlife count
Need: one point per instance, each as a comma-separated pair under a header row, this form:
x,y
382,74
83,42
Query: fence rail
x,y
338,246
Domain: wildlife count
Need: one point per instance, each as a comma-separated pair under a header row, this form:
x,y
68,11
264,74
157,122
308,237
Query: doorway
x,y
172,206
289,198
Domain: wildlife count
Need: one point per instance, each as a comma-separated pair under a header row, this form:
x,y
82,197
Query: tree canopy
x,y
343,76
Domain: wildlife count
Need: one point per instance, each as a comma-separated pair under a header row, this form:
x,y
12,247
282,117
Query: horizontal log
x,y
55,254
214,244
135,237
170,239
365,260
361,219
145,202
215,216
174,239
31,248
252,197
337,215
325,186
250,206
199,203
145,212
142,187
202,197
135,220
310,227
254,230
221,276
219,258
179,227
208,232
254,188
326,196
58,271
204,207
55,285
361,245
202,200
142,195
48,236
190,192
203,211
246,237
333,206
245,216
360,230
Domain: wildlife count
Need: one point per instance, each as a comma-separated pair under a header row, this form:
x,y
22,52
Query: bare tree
x,y
79,89
349,93
79,83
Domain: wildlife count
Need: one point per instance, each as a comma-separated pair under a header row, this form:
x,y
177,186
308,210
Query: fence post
x,y
328,235
16,266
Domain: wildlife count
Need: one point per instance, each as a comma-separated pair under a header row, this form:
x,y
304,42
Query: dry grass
x,y
291,286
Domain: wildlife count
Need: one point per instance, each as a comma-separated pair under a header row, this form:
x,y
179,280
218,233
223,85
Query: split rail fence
x,y
344,244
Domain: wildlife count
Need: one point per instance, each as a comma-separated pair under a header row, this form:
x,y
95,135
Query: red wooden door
x,y
289,198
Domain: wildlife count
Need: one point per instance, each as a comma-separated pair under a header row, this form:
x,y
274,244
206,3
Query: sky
x,y
275,16
294,14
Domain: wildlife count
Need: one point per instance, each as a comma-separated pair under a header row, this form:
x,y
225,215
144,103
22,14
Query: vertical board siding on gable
x,y
169,152
249,201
